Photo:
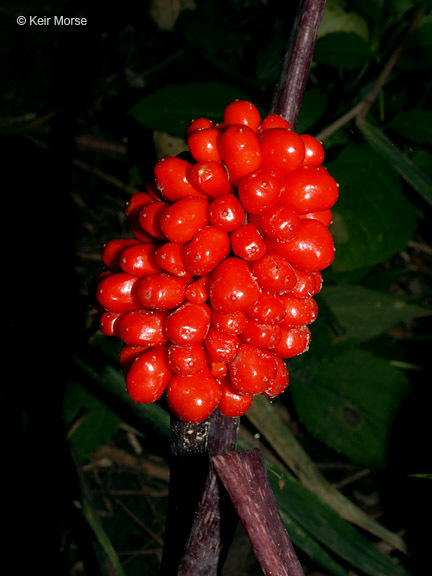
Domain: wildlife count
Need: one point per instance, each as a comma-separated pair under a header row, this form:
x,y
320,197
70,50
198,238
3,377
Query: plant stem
x,y
192,446
289,91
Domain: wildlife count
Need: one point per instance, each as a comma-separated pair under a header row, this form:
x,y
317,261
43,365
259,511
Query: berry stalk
x,y
289,90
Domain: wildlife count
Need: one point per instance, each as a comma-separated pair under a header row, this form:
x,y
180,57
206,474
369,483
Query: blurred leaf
x,y
342,49
102,537
313,107
349,401
379,142
91,423
336,18
417,52
329,529
173,107
372,219
415,125
270,425
269,57
366,313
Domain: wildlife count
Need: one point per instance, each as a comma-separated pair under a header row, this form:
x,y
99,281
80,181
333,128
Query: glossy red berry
x,y
232,403
112,251
132,211
309,189
282,151
247,242
161,291
204,145
188,324
128,354
226,212
211,177
193,398
259,334
198,290
258,191
252,370
143,328
139,260
314,151
240,151
171,179
169,257
273,121
220,347
268,309
207,248
117,292
109,323
232,286
197,124
242,112
148,376
186,359
281,381
311,250
149,219
229,322
274,273
299,311
295,340
278,223
180,221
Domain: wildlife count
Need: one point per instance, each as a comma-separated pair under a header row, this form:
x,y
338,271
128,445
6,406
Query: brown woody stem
x,y
289,91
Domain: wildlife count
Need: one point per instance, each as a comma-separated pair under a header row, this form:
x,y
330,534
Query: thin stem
x,y
289,91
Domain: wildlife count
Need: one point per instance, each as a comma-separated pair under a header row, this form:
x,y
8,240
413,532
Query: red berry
x,y
181,220
252,370
149,219
247,242
325,216
314,151
204,145
229,323
282,151
171,179
207,248
274,273
240,152
139,260
211,178
299,311
198,124
311,250
188,324
268,309
187,359
193,398
306,284
143,328
278,223
281,381
161,291
112,251
198,291
242,112
149,375
309,190
169,257
264,335
117,292
128,354
226,212
132,211
232,286
258,191
220,347
273,121
109,322
232,403
295,340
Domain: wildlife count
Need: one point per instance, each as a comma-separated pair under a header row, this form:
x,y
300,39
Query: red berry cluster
x,y
215,288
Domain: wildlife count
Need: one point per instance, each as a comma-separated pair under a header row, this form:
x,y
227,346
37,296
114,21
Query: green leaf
x,y
417,52
328,528
372,218
342,49
337,19
365,313
379,142
415,125
91,423
349,400
173,107
313,107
